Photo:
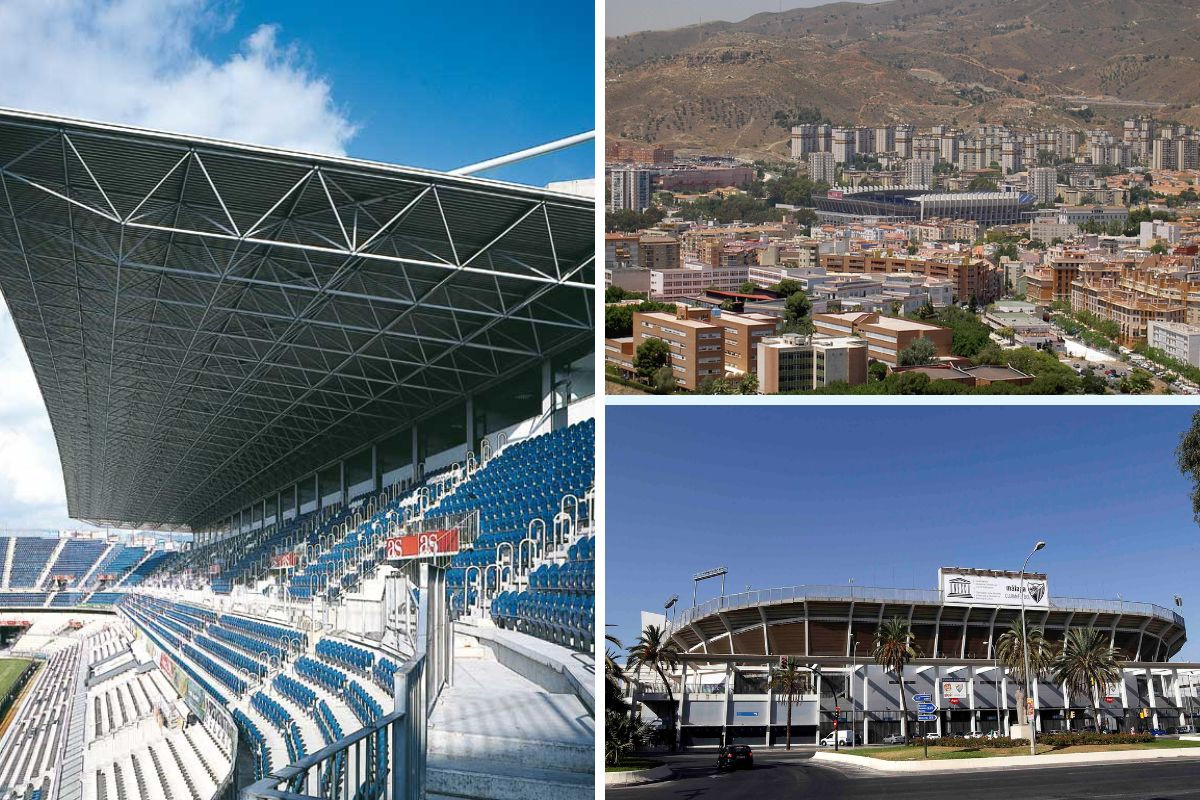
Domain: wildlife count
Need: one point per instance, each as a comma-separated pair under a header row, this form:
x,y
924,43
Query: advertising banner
x,y
968,588
419,545
954,689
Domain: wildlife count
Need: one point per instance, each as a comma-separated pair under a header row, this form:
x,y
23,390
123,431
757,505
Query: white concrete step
x,y
488,780
576,757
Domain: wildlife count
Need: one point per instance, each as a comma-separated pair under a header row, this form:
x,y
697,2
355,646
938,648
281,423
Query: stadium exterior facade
x,y
918,202
730,644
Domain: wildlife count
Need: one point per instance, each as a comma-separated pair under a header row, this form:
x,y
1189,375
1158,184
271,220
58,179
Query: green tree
x,y
615,294
658,653
1187,457
893,647
650,356
1007,333
926,312
1137,382
1087,662
921,351
664,379
796,307
747,287
877,370
1158,248
787,287
1010,652
624,735
790,681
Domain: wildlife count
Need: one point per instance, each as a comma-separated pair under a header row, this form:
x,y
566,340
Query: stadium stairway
x,y
45,573
10,544
495,734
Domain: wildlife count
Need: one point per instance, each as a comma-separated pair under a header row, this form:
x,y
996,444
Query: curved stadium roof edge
x,y
265,150
209,320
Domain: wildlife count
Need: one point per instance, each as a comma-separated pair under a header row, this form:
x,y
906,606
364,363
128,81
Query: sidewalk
x,y
1003,762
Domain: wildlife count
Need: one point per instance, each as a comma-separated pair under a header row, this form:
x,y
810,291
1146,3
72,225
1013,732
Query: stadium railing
x,y
402,732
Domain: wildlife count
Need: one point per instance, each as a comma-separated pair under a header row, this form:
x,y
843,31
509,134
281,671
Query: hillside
x,y
720,86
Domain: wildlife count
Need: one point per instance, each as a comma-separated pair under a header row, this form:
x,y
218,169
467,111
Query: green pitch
x,y
10,670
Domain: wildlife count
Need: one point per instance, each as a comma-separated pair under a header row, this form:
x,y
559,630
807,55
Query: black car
x,y
735,755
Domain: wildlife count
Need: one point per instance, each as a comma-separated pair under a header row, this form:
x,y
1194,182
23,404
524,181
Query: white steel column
x,y
865,702
1178,695
1005,725
1124,699
1150,693
971,698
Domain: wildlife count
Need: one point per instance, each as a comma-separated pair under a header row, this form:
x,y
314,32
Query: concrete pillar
x,y
682,705
939,701
770,712
728,703
1124,699
1037,705
971,698
1066,706
1150,694
1178,695
866,700
817,681
1002,709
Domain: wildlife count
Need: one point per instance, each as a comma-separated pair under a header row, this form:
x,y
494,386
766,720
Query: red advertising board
x,y
285,560
420,545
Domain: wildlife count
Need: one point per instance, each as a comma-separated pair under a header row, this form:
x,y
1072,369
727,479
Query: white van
x,y
845,738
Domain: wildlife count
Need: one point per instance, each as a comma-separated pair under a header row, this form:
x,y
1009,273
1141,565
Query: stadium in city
x,y
361,398
918,202
729,645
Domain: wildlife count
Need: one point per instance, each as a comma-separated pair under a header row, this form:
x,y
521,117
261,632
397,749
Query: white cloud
x,y
136,62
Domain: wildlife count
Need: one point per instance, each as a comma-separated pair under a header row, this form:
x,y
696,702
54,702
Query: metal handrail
x,y
870,594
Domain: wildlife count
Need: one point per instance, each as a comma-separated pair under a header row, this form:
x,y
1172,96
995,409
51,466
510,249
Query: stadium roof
x,y
208,321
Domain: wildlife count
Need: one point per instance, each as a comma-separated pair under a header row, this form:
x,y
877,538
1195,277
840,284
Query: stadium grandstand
x,y
918,202
362,395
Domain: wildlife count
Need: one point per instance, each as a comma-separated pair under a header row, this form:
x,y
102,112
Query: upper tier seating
x,y
29,560
152,563
77,558
23,599
119,560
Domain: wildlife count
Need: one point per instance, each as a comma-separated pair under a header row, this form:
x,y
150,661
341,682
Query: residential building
x,y
886,337
691,279
821,168
971,277
918,172
697,347
1043,183
629,189
844,142
741,335
658,251
793,362
1177,339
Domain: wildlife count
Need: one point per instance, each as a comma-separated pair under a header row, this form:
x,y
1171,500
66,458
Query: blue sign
x,y
926,708
745,713
923,698
926,718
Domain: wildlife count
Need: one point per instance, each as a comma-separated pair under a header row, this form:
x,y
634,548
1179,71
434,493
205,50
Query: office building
x,y
793,362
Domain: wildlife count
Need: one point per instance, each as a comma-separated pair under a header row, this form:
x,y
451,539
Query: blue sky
x,y
785,496
442,84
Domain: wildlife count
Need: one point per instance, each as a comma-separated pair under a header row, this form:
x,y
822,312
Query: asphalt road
x,y
797,776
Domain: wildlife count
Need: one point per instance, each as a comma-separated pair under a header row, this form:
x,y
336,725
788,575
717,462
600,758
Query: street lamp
x,y
1025,653
670,605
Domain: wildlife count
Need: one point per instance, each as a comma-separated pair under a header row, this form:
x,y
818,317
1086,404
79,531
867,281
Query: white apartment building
x,y
692,279
1149,232
1177,339
821,167
1043,183
918,172
809,278
630,189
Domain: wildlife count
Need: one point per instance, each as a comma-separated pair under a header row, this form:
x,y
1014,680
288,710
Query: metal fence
x,y
386,759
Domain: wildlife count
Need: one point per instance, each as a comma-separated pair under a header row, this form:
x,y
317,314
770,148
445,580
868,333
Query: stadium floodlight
x,y
703,576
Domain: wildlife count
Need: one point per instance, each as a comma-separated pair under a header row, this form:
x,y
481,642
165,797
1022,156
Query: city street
x,y
795,775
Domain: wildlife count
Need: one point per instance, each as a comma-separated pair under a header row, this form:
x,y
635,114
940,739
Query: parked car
x,y
933,735
845,738
1185,729
895,738
732,756
1157,732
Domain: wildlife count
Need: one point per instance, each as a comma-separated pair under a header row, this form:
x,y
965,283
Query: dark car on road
x,y
733,756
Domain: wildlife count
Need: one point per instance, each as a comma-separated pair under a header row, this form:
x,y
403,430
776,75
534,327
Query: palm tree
x,y
614,678
791,681
892,649
1010,651
659,653
1087,662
